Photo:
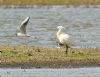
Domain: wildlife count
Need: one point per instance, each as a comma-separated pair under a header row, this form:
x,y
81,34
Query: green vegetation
x,y
87,25
24,56
49,2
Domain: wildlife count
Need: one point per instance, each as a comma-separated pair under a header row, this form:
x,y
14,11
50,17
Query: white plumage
x,y
22,29
64,39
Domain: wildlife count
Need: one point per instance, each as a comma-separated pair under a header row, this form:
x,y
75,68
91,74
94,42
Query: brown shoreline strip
x,y
50,2
30,57
52,64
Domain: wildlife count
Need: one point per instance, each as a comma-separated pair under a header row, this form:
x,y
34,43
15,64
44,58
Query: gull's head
x,y
27,18
60,27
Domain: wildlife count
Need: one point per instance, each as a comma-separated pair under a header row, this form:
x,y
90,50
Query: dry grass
x,y
24,56
49,2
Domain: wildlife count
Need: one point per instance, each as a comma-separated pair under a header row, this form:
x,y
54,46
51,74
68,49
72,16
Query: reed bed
x,y
26,57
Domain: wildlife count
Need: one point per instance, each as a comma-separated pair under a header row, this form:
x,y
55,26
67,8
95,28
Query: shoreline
x,y
38,57
52,67
48,6
50,2
30,66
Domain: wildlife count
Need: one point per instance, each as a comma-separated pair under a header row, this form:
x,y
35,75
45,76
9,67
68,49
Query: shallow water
x,y
69,72
82,23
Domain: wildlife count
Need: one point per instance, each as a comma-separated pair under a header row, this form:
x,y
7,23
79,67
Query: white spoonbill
x,y
63,38
22,29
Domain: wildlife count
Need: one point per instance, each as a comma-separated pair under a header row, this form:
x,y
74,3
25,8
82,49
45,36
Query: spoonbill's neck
x,y
59,32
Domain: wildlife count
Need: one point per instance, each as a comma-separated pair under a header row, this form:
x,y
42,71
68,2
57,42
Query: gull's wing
x,y
23,25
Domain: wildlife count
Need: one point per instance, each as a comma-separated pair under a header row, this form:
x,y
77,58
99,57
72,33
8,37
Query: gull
x,y
22,29
63,38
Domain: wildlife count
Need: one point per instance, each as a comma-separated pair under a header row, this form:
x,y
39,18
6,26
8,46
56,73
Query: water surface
x,y
69,72
82,23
